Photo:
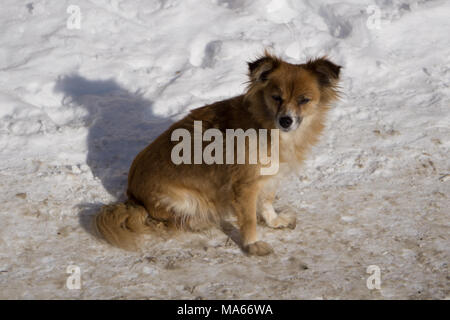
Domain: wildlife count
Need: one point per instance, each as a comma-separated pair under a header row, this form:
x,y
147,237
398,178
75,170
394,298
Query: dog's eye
x,y
303,100
277,98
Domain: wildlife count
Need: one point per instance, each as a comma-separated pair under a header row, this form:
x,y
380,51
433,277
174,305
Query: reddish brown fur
x,y
196,196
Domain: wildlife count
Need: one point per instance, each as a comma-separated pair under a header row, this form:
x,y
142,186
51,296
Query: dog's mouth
x,y
288,122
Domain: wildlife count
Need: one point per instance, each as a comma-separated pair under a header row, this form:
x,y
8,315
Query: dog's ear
x,y
262,67
326,71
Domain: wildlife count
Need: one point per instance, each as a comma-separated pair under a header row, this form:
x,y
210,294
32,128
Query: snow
x,y
76,105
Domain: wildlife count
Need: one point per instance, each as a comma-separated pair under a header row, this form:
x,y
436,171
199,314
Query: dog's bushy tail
x,y
120,223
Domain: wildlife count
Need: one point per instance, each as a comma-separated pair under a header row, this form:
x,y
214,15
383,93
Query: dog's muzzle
x,y
287,122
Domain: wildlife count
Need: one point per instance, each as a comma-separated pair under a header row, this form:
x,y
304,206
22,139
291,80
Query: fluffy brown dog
x,y
293,98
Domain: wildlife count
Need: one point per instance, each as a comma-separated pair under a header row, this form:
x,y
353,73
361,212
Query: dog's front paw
x,y
258,248
283,220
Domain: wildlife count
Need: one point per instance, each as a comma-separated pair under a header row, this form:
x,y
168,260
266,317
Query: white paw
x,y
283,220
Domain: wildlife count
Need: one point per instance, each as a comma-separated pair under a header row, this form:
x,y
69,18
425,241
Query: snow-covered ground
x,y
77,104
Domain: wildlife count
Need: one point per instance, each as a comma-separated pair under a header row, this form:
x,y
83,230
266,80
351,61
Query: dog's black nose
x,y
285,122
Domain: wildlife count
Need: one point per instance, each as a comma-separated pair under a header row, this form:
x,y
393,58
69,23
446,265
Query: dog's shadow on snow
x,y
121,123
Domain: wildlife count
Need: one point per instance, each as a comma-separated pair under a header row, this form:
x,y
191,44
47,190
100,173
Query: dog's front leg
x,y
267,212
245,208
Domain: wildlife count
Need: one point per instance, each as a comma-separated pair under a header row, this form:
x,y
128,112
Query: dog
x,y
292,99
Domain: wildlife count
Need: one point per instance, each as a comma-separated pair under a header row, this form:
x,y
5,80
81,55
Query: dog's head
x,y
287,93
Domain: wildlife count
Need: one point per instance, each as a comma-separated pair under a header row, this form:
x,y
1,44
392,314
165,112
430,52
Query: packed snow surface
x,y
86,84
